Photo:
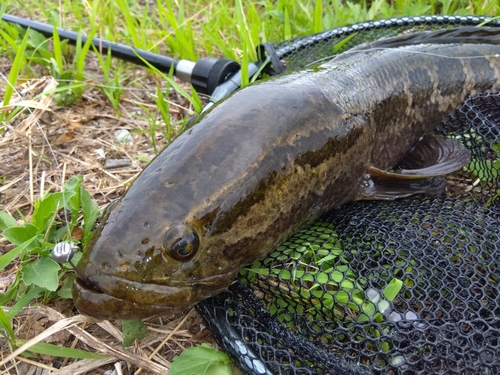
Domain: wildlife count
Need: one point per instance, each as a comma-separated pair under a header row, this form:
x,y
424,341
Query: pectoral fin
x,y
432,157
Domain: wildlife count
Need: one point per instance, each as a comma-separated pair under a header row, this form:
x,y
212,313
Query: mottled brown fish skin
x,y
270,158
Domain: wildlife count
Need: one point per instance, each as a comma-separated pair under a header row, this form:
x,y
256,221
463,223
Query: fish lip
x,y
91,282
104,306
108,296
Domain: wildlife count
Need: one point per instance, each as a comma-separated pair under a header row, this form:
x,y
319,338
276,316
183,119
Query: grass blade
x,y
11,255
14,73
57,50
5,325
318,17
57,351
194,100
24,301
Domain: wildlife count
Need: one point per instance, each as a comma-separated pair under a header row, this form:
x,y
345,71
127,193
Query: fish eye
x,y
181,241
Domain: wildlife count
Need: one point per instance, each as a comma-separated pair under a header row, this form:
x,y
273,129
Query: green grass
x,y
39,276
181,29
190,30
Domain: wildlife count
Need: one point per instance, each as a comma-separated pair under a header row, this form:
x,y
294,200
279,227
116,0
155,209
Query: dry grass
x,y
40,149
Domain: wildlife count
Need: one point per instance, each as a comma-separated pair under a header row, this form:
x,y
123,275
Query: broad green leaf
x,y
36,40
133,329
73,185
58,351
11,291
19,235
201,360
221,369
46,208
42,272
65,290
90,211
7,221
14,253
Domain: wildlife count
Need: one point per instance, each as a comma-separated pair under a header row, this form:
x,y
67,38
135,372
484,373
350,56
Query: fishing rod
x,y
217,77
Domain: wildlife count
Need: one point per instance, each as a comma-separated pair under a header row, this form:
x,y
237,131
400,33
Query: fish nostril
x,y
145,241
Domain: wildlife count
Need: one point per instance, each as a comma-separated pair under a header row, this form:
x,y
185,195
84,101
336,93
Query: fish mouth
x,y
104,306
107,296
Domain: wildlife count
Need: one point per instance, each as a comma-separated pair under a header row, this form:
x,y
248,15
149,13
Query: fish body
x,y
270,158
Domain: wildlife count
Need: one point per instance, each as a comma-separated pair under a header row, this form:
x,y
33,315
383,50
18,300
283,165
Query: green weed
x,y
39,275
114,77
202,360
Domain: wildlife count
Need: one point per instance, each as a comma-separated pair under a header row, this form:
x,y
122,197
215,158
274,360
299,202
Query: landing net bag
x,y
403,287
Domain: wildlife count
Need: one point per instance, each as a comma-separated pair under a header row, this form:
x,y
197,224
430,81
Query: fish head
x,y
158,250
165,270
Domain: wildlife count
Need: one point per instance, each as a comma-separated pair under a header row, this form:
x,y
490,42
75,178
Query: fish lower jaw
x,y
104,306
105,296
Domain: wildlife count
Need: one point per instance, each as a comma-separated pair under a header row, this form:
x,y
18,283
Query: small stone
x,y
117,163
124,137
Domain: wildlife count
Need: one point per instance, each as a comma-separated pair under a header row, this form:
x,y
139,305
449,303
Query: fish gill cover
x,y
402,287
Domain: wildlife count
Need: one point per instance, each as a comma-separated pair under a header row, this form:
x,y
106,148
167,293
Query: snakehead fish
x,y
276,155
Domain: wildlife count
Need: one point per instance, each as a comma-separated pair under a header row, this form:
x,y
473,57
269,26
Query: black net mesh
x,y
403,287
300,52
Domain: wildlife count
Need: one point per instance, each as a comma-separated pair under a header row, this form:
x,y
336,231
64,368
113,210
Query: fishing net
x,y
403,287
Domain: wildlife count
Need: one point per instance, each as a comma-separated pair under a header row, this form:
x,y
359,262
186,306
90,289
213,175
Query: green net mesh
x,y
403,287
